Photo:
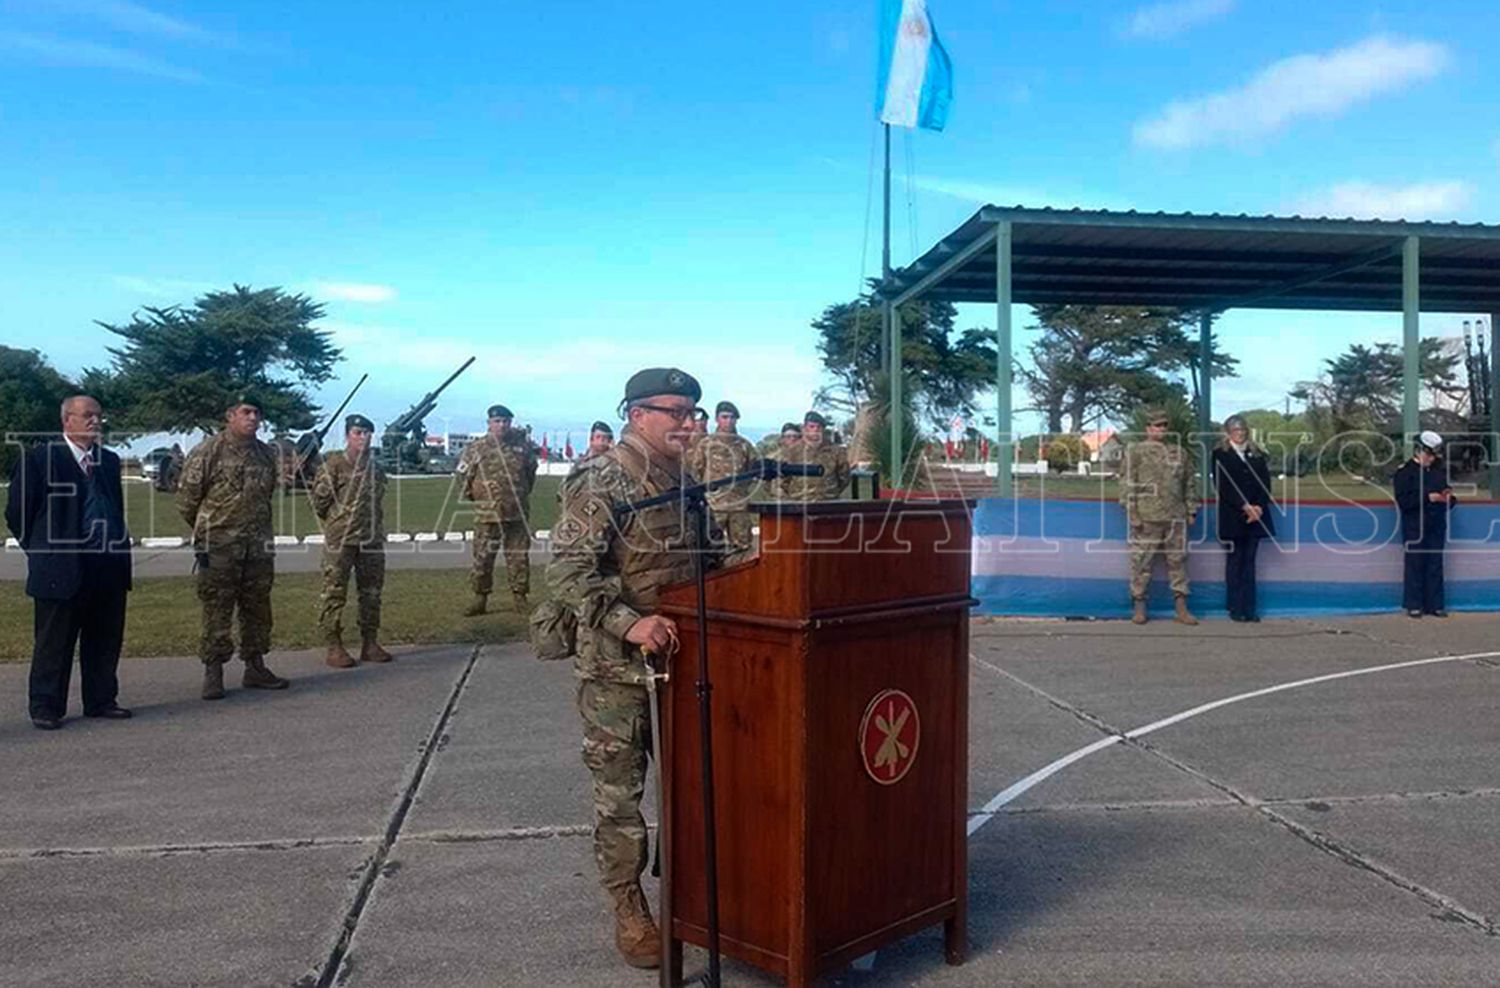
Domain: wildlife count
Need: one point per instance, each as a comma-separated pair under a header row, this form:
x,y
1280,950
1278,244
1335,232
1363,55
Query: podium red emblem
x,y
888,736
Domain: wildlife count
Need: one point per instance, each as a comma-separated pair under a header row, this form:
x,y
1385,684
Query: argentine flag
x,y
915,85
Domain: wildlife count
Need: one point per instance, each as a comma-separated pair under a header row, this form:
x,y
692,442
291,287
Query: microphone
x,y
770,469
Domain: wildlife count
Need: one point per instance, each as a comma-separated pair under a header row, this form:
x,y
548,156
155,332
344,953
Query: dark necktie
x,y
87,463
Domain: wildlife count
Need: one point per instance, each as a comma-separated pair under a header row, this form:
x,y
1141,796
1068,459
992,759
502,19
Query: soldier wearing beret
x,y
347,496
498,472
225,497
608,567
816,449
725,453
601,438
1159,491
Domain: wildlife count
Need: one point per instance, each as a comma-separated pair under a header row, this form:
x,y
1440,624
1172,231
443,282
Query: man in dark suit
x,y
1242,479
67,509
1424,500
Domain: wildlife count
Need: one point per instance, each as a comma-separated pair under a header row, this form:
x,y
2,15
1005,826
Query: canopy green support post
x,y
893,360
1205,400
1495,406
1411,339
1004,484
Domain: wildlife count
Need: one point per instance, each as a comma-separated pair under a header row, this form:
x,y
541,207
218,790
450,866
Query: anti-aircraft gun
x,y
403,445
300,459
1481,414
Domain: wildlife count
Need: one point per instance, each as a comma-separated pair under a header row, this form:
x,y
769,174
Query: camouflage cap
x,y
662,381
499,412
812,418
601,427
726,406
357,422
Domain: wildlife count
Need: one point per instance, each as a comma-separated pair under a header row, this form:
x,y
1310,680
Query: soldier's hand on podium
x,y
654,634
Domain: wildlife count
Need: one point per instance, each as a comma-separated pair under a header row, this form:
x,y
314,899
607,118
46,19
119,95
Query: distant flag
x,y
568,448
915,83
546,455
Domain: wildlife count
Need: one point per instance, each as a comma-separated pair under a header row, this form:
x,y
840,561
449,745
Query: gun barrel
x,y
323,432
419,411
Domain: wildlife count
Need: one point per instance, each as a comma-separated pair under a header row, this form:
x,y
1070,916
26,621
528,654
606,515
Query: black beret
x,y
244,398
726,406
358,422
601,427
790,427
500,412
812,417
662,381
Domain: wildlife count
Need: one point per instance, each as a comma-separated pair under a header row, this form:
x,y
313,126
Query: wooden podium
x,y
839,660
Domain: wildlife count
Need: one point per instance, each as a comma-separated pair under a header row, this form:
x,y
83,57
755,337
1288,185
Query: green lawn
x,y
1331,488
163,616
424,504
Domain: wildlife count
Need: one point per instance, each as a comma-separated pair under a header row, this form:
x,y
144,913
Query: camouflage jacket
x,y
498,475
225,492
608,568
723,454
348,498
1159,483
835,463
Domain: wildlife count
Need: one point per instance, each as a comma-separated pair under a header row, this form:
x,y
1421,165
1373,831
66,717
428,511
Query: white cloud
x,y
1366,200
1312,85
987,193
351,291
88,55
1167,20
135,19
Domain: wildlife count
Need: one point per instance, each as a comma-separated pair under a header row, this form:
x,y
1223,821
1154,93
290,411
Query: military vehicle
x,y
403,445
301,458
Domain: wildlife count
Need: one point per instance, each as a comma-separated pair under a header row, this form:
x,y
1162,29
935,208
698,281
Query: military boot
x,y
636,936
1184,616
477,605
213,681
372,652
1139,617
338,656
258,677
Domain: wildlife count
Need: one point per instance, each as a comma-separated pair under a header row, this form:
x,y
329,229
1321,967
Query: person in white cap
x,y
1424,499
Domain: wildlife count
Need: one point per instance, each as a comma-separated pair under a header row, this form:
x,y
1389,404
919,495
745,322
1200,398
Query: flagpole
x,y
889,349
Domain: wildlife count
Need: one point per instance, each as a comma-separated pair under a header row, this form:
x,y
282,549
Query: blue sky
x,y
574,190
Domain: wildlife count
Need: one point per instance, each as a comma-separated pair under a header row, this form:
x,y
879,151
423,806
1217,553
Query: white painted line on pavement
x,y
1016,789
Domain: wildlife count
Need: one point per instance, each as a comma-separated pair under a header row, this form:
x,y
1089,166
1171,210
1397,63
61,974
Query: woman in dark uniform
x,y
1242,480
1424,499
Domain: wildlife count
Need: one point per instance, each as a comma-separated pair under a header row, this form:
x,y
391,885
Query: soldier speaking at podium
x,y
608,572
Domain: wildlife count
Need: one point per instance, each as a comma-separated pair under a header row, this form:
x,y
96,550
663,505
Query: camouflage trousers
x,y
1147,539
368,566
616,748
232,579
514,536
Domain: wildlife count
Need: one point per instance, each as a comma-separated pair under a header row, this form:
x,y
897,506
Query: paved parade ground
x,y
425,823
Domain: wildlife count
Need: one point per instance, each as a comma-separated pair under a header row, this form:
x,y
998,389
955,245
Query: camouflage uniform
x,y
726,454
498,477
609,572
225,495
1159,491
348,496
830,486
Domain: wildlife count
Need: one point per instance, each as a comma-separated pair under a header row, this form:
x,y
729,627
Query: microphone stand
x,y
694,500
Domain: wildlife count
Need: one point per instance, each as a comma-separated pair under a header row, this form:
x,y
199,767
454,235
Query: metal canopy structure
x,y
1202,264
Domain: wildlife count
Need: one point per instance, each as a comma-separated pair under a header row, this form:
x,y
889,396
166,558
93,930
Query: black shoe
x,y
1440,612
1253,618
45,723
1413,613
111,712
1238,618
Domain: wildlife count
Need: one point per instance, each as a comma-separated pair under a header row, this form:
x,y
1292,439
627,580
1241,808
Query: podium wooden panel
x,y
821,861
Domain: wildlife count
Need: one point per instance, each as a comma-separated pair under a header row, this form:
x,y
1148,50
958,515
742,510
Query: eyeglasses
x,y
681,414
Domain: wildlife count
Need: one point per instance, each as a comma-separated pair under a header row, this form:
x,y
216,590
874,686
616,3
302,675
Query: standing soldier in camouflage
x,y
601,438
608,570
499,471
726,453
1159,491
348,495
816,449
225,496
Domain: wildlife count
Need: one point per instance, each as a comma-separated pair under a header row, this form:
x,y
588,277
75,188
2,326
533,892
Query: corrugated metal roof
x,y
1210,261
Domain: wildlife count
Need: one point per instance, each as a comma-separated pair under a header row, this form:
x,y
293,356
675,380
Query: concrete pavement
x,y
426,823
